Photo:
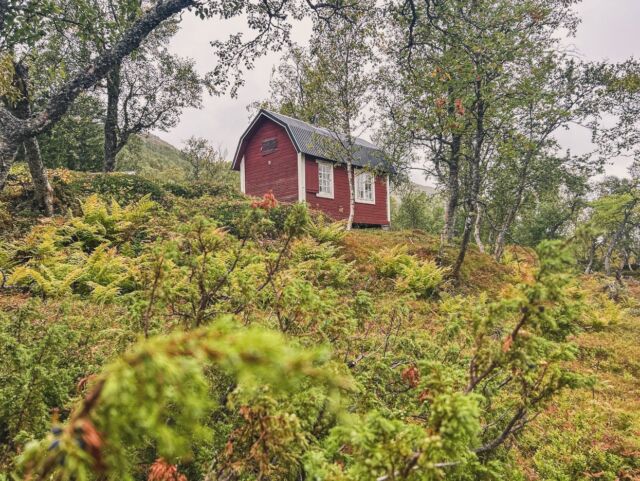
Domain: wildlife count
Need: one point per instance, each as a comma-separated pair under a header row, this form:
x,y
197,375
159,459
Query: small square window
x,y
269,145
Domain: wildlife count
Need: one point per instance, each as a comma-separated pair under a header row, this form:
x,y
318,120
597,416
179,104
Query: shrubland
x,y
169,331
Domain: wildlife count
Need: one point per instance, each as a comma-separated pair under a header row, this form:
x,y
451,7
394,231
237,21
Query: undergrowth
x,y
180,331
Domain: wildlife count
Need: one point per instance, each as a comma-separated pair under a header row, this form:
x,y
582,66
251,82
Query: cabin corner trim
x,y
243,181
302,188
388,201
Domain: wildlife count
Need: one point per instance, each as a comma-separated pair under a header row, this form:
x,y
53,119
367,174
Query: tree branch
x,y
64,97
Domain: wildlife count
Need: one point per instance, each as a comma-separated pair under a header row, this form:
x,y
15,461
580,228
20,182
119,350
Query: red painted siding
x,y
312,182
338,207
276,171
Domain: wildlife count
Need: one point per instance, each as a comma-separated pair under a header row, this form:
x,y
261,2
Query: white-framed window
x,y
325,179
365,188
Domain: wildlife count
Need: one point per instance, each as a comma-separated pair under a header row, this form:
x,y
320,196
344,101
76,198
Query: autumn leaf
x,y
411,376
161,470
506,345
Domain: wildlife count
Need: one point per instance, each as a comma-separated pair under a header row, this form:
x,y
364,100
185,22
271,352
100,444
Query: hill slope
x,y
281,347
150,156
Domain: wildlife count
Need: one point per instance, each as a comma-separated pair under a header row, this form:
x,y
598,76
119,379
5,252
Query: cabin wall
x,y
276,171
338,207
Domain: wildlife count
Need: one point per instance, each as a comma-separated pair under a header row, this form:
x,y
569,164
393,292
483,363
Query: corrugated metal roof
x,y
320,142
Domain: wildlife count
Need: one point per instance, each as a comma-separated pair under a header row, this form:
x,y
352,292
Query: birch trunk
x,y
453,194
474,191
623,263
592,254
352,195
464,244
43,191
614,241
501,239
7,155
498,249
111,120
477,227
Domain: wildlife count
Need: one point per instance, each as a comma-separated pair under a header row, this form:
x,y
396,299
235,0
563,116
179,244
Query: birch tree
x,y
554,94
613,217
26,25
206,161
459,65
330,84
145,90
144,94
343,61
291,87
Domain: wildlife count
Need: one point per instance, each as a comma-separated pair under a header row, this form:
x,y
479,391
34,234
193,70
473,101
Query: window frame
x,y
331,194
359,199
264,141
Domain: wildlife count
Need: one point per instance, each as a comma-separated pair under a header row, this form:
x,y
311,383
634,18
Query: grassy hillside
x,y
150,156
192,331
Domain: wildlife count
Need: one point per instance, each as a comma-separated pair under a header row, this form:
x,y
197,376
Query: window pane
x,y
325,179
269,145
364,187
368,191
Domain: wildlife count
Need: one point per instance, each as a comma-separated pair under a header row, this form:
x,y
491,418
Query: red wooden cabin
x,y
290,158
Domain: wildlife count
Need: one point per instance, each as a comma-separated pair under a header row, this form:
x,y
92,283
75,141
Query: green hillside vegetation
x,y
158,325
150,156
182,331
77,143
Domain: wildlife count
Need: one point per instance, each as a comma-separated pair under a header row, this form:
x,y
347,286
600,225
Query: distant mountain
x,y
150,156
398,193
427,189
155,142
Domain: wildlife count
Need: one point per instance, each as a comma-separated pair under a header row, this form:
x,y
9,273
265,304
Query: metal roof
x,y
318,142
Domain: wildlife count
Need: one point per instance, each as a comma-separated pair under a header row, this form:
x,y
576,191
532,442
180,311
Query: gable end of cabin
x,y
269,162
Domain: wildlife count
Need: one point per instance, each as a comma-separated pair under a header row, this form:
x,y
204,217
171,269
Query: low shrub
x,y
421,278
196,189
123,188
392,262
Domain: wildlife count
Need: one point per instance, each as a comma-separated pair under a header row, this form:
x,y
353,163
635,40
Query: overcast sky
x,y
609,30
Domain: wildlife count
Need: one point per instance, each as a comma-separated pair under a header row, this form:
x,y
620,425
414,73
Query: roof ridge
x,y
369,144
288,116
301,135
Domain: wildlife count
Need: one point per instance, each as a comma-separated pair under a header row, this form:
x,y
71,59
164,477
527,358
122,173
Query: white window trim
x,y
302,187
373,189
388,200
324,195
243,180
